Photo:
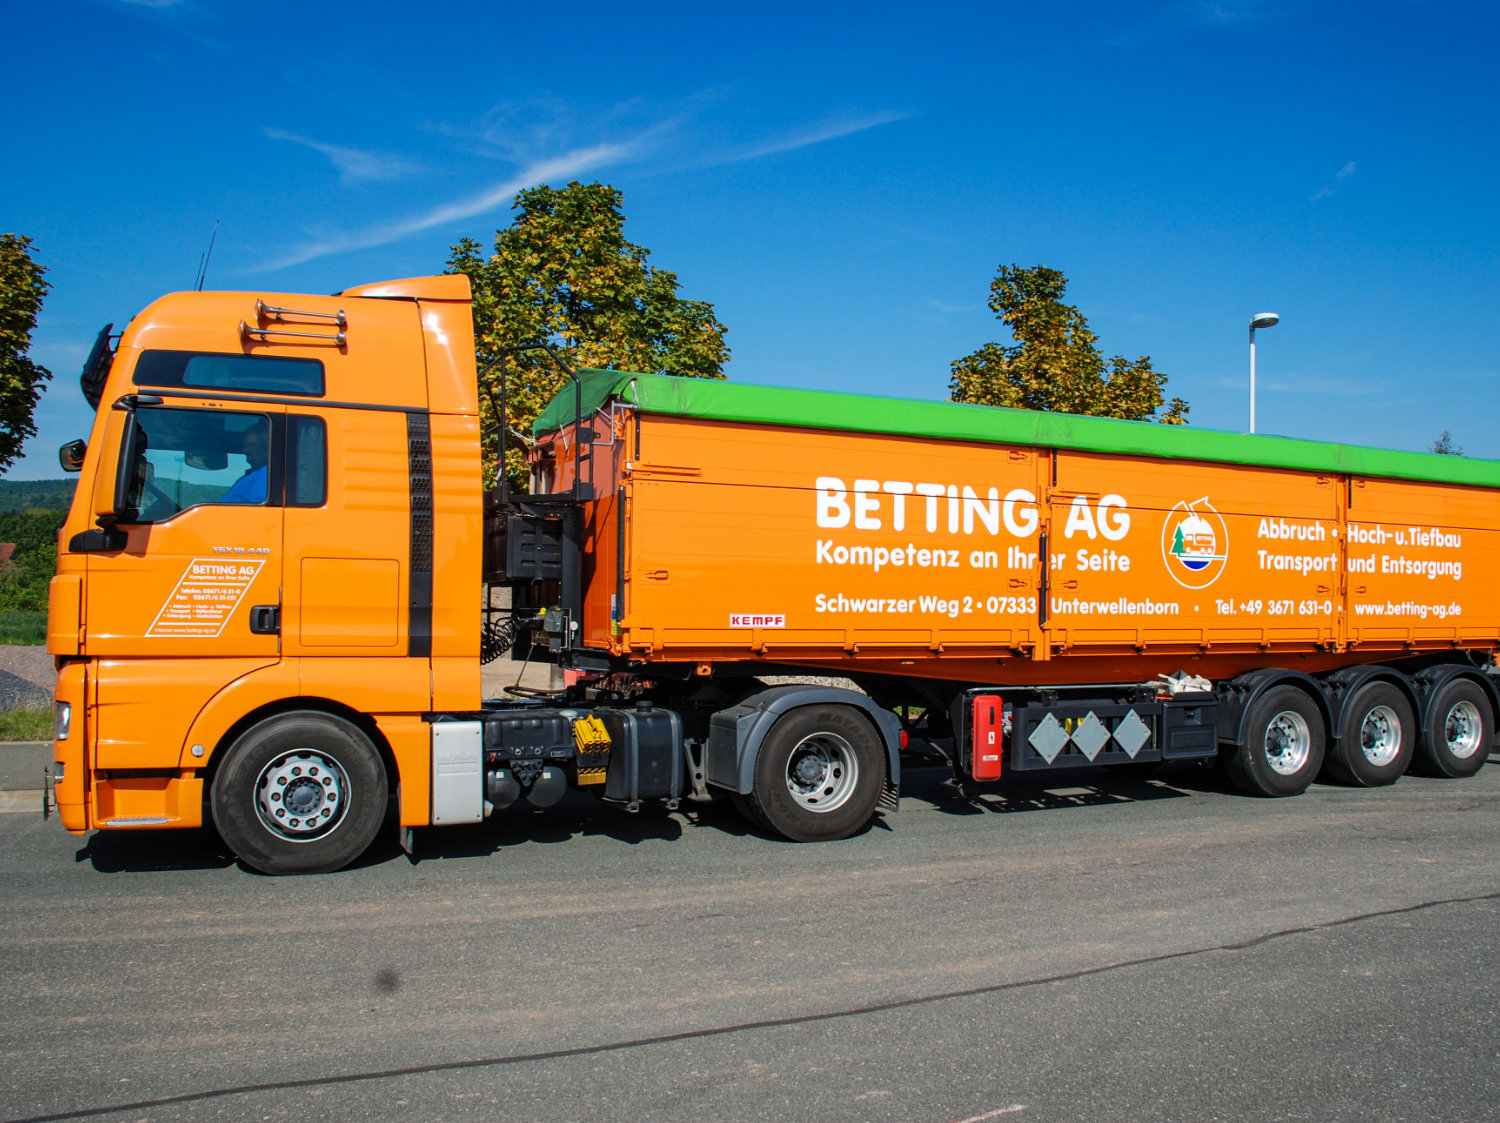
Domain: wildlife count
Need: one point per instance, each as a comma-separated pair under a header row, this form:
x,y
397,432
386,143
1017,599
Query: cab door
x,y
185,597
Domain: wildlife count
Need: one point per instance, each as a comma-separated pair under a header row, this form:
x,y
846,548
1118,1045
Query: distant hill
x,y
26,495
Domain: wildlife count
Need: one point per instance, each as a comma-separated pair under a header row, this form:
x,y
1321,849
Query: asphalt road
x,y
1119,948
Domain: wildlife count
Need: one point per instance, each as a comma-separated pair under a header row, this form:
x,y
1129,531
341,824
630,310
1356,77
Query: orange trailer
x,y
966,543
266,613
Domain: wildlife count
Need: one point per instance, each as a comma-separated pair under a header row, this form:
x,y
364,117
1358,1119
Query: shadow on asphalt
x,y
1057,791
581,816
153,851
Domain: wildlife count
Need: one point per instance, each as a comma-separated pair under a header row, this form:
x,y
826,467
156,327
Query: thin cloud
x,y
708,157
917,234
943,308
1306,384
1312,384
566,166
1156,22
1338,181
61,353
186,19
354,164
561,167
1220,13
1295,383
828,130
1485,375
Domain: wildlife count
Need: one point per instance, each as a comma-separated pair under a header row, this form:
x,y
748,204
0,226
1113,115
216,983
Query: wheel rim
x,y
822,773
302,795
1288,743
1462,729
1380,736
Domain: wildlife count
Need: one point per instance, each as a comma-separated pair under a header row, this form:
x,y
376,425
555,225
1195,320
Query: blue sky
x,y
841,181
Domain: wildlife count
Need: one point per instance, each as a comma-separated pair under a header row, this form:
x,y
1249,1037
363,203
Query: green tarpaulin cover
x,y
910,417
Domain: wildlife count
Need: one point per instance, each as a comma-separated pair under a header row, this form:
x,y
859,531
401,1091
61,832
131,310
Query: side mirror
x,y
71,455
209,460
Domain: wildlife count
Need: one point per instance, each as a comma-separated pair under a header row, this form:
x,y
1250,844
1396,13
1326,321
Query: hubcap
x,y
301,795
1288,743
821,772
1380,736
1462,729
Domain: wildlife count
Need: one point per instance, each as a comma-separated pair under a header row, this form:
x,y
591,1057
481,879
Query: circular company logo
x,y
1194,543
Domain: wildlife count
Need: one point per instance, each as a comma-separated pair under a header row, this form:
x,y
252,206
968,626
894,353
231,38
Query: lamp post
x,y
1260,320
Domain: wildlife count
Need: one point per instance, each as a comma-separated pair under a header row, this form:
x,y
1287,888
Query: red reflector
x,y
903,738
989,738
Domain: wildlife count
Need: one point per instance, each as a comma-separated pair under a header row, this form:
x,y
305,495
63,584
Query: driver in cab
x,y
251,487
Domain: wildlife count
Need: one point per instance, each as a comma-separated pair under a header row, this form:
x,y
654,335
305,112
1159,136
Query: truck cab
x,y
278,511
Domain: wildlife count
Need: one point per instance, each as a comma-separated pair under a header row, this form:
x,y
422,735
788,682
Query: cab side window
x,y
306,461
188,457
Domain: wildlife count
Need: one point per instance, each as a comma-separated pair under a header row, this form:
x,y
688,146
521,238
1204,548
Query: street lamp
x,y
1261,320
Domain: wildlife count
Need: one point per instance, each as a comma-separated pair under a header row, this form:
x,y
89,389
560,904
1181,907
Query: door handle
x,y
265,619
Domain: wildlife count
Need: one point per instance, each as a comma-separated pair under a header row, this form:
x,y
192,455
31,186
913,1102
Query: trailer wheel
x,y
1379,738
1283,747
819,774
300,793
1459,732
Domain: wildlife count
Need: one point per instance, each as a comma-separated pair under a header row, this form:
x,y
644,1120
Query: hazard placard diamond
x,y
1090,735
1048,738
1132,733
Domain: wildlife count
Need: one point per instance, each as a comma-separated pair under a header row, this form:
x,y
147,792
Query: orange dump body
x,y
1002,560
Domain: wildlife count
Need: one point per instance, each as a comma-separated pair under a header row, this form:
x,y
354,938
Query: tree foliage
x,y
21,291
1054,363
564,272
1445,445
23,583
28,495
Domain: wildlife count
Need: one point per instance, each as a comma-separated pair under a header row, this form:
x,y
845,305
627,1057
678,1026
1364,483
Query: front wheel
x,y
819,774
300,793
1283,747
1459,731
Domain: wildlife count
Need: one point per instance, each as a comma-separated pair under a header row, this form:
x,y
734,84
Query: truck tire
x,y
748,811
300,793
1283,748
1459,731
819,773
1380,736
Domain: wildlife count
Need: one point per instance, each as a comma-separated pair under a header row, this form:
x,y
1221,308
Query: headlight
x,y
62,719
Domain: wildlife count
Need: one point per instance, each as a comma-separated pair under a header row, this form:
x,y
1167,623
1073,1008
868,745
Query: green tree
x,y
1445,445
564,272
1054,363
21,291
23,582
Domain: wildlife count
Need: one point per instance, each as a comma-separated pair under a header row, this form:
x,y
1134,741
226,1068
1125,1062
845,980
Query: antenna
x,y
203,261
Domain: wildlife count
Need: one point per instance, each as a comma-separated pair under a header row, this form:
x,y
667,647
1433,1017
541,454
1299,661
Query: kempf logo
x,y
1194,544
757,620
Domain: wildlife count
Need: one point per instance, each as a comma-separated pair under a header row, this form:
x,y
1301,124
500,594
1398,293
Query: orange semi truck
x,y
268,612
